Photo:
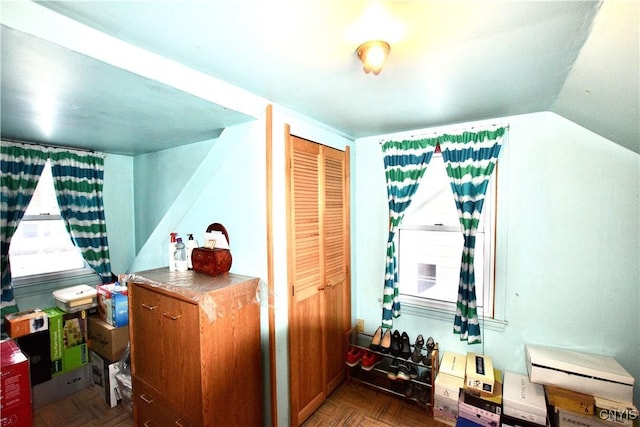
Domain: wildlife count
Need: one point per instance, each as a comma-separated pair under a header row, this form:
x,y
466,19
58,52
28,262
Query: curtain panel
x,y
470,158
21,166
78,178
405,162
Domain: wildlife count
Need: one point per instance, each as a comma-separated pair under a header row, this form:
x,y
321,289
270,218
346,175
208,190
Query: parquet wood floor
x,y
349,405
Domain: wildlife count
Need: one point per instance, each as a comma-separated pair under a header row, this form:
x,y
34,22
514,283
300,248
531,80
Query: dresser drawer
x,y
151,409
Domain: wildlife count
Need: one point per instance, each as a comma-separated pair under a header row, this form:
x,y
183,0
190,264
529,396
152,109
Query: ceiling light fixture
x,y
373,54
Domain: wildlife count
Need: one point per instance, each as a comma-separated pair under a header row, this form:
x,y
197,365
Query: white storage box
x,y
76,298
523,399
597,375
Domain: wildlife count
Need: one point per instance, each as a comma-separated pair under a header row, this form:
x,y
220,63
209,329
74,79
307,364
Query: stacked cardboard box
x,y
524,403
447,386
475,403
573,408
68,333
113,304
15,387
107,340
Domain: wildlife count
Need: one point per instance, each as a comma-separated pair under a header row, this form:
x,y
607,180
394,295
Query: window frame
x,y
420,305
55,276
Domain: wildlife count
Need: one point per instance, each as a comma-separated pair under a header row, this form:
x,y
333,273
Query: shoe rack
x,y
418,390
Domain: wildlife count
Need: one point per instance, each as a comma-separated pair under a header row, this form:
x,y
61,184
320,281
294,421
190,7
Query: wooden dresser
x,y
195,349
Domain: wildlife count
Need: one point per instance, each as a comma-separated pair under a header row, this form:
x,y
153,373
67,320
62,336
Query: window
x,y
429,245
41,244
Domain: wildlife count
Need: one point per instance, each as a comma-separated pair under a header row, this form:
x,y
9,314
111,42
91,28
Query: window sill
x,y
486,323
43,283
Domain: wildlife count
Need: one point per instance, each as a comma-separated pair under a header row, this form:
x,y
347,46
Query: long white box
x,y
523,399
479,373
597,375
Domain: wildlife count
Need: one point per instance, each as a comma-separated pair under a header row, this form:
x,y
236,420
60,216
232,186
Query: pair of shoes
x,y
370,360
431,345
416,356
400,346
354,356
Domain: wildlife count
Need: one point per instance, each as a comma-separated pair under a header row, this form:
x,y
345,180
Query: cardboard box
x,y
25,322
447,386
103,373
69,337
446,406
444,416
487,402
56,338
566,418
478,415
508,421
453,364
107,340
479,373
61,386
616,413
19,416
113,304
37,347
523,400
570,400
600,376
15,386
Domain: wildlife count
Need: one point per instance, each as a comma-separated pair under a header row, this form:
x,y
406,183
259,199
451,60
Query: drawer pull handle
x,y
146,424
179,423
172,316
146,399
149,307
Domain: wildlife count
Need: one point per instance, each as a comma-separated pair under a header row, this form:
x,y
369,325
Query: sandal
x,y
416,356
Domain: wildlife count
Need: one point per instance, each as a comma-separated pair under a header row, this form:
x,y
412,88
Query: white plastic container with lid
x,y
76,298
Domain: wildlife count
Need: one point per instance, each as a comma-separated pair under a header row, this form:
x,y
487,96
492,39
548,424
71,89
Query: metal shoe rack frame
x,y
419,390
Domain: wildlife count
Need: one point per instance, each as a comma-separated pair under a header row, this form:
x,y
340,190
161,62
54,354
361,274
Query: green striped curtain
x,y
78,179
405,162
21,166
470,159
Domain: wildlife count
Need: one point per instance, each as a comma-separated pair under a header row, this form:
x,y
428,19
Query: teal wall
x,y
568,239
568,236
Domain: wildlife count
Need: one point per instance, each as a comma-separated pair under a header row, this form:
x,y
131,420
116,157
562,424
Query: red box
x,y
20,416
15,386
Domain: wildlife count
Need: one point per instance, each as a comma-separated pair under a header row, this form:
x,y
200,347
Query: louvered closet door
x,y
305,267
319,311
335,229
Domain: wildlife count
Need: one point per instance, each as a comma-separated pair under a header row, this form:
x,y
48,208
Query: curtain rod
x,y
443,130
17,141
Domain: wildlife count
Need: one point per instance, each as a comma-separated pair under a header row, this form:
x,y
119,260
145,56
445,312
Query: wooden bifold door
x,y
318,272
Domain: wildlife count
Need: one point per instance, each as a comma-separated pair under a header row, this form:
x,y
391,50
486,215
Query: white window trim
x,y
445,311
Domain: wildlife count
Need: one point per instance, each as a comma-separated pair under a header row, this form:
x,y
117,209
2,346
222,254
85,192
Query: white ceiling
x,y
137,77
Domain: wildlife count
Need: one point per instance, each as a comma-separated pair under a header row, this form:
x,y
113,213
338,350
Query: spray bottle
x,y
172,251
191,245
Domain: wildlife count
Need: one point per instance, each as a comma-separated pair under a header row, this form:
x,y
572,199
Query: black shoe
x,y
385,343
377,338
416,356
392,373
405,346
395,343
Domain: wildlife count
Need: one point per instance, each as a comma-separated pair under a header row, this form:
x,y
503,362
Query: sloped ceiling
x,y
135,77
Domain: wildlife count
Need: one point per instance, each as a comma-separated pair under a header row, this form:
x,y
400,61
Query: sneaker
x,y
403,371
369,360
413,371
392,374
354,356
